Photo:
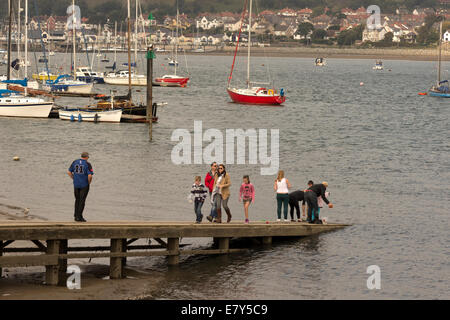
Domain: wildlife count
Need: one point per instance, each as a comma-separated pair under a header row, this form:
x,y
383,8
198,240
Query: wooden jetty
x,y
51,241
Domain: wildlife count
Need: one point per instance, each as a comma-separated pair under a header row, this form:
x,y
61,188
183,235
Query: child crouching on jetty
x,y
198,192
247,194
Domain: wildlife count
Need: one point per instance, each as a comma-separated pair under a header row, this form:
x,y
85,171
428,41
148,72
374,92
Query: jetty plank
x,y
126,229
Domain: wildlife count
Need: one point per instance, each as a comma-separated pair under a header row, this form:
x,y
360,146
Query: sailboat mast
x,y
26,44
9,40
176,44
19,36
115,41
135,34
440,53
129,53
74,41
249,43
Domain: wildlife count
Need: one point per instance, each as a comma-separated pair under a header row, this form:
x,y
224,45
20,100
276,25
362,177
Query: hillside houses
x,y
219,28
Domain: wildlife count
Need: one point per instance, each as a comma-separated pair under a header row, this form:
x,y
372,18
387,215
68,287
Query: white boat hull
x,y
25,110
124,81
91,116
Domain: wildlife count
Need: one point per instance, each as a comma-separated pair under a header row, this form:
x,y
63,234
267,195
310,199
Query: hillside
x,y
99,10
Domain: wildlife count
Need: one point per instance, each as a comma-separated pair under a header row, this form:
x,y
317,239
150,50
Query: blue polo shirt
x,y
81,169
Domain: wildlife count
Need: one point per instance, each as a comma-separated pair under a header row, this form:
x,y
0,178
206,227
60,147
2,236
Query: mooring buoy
x,y
16,158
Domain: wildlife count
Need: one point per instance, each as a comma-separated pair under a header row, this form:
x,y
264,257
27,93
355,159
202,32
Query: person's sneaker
x,y
278,220
299,220
286,220
198,222
209,218
80,220
292,220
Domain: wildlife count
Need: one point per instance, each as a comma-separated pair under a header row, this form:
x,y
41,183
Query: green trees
x,y
304,29
427,34
349,37
318,34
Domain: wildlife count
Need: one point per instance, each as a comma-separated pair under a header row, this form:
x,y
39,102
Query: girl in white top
x,y
281,186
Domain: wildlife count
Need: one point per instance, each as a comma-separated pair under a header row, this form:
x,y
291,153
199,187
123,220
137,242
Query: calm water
x,y
383,149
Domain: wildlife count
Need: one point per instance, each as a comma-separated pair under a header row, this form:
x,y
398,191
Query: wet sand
x,y
95,285
28,283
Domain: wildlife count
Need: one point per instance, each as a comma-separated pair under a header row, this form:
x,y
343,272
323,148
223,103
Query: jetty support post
x,y
1,253
52,271
173,245
116,265
150,57
62,263
224,243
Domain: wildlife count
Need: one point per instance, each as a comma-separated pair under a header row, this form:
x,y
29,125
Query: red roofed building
x,y
305,13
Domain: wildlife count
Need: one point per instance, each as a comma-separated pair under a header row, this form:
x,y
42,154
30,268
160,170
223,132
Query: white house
x,y
207,24
446,36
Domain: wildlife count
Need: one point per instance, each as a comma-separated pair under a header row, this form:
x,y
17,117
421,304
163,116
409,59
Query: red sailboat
x,y
252,94
174,78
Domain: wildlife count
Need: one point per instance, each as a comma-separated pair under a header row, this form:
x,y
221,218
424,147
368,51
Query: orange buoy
x,y
422,93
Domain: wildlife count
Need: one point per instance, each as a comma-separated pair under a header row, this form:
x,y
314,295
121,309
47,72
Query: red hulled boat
x,y
182,81
251,94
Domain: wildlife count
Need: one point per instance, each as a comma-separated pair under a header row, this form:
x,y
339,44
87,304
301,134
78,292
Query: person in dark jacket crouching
x,y
311,195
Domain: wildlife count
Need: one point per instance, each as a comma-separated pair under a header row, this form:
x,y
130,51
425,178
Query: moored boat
x,y
320,62
90,115
65,83
16,105
86,74
121,78
441,88
252,94
44,76
256,95
378,65
182,81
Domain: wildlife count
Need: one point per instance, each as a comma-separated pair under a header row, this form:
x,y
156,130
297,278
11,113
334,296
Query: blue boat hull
x,y
439,94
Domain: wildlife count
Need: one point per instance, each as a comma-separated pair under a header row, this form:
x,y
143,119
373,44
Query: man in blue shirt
x,y
81,173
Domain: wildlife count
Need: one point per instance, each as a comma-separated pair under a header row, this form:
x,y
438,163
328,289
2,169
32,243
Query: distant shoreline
x,y
338,53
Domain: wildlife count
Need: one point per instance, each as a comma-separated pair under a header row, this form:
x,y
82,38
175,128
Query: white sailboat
x,y
123,77
17,105
64,83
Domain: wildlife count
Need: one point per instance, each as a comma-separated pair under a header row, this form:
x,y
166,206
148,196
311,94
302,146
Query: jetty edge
x,y
51,240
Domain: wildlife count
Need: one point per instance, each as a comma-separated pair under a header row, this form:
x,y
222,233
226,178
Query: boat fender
x,y
80,118
270,92
72,118
281,92
96,118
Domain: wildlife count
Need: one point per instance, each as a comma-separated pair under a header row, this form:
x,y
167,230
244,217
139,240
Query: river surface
x,y
383,149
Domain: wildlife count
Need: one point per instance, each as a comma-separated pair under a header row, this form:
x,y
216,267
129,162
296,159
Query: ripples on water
x,y
383,149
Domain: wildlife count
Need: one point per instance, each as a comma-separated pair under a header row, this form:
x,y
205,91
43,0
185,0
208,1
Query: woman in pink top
x,y
247,194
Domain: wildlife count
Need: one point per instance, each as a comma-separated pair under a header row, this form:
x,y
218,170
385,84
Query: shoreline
x,y
412,54
336,53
